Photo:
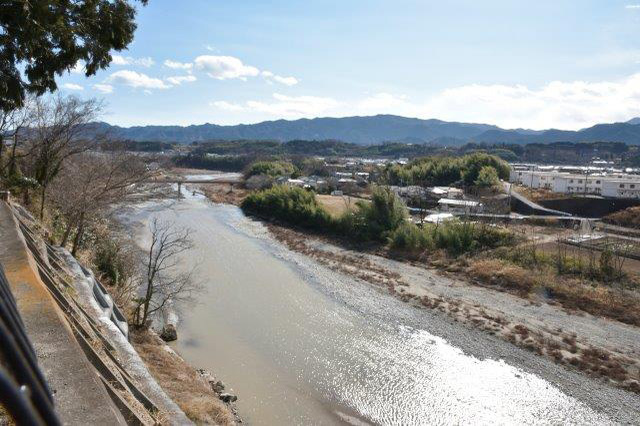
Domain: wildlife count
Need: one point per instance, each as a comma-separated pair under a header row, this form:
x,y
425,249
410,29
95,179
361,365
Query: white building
x,y
621,188
614,184
446,192
459,206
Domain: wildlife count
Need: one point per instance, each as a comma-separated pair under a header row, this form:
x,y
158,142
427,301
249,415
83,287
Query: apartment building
x,y
615,185
621,188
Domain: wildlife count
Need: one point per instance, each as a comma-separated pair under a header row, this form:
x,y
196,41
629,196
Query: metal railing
x,y
24,393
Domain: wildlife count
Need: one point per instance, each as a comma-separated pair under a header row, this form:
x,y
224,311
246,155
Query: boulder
x,y
169,333
228,397
217,386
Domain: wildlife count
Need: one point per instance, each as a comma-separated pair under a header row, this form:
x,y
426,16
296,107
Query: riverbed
x,y
301,344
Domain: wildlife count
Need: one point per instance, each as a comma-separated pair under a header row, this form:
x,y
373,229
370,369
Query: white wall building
x,y
459,206
621,188
615,185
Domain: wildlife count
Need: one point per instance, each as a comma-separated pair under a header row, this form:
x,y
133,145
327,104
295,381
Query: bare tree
x,y
89,184
57,132
163,282
12,123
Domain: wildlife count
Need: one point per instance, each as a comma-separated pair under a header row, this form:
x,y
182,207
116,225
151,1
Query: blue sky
x,y
564,64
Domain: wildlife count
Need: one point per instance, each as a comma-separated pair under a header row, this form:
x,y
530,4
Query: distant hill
x,y
616,132
359,130
373,130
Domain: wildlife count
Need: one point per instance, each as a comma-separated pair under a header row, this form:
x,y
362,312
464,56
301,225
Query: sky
x,y
517,64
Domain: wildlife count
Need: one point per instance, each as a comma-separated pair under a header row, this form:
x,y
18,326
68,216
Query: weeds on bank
x,y
180,381
594,285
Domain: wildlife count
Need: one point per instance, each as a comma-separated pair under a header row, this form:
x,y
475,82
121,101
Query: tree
x,y
487,177
472,164
271,168
89,184
16,121
162,283
383,214
55,135
44,38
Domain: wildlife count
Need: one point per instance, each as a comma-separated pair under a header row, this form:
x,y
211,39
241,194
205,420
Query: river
x,y
301,344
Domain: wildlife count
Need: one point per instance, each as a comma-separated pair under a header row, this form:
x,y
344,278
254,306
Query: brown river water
x,y
301,344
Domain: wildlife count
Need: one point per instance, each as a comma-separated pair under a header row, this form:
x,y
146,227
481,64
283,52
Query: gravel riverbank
x,y
463,316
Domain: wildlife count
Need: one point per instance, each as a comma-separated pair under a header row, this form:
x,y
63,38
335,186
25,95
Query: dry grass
x,y
629,217
336,205
537,194
224,193
181,381
503,274
571,293
623,306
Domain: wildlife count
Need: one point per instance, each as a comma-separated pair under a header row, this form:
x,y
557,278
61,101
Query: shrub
x,y
377,219
116,264
487,178
453,236
289,204
271,168
411,239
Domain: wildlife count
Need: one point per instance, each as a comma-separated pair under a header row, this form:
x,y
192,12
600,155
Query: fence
x,y
24,392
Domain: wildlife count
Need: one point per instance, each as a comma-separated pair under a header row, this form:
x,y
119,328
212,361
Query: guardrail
x,y
24,393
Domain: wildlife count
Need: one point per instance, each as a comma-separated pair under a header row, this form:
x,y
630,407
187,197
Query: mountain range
x,y
376,129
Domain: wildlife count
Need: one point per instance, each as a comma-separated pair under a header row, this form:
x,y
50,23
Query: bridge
x,y
181,181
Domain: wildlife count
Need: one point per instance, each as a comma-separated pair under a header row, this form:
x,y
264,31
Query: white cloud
x,y
632,6
71,86
384,102
563,105
289,81
178,65
137,80
224,67
284,106
270,77
227,106
567,105
103,88
128,60
179,79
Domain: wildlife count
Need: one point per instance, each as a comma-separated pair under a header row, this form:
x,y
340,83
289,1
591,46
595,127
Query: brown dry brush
x,y
181,381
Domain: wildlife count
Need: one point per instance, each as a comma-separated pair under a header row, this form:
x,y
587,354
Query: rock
x,y
228,397
169,333
217,386
632,385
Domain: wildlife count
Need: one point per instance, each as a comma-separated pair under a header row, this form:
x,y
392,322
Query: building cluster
x,y
341,181
606,182
438,199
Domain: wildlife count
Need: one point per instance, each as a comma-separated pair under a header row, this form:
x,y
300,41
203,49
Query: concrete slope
x,y
79,395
